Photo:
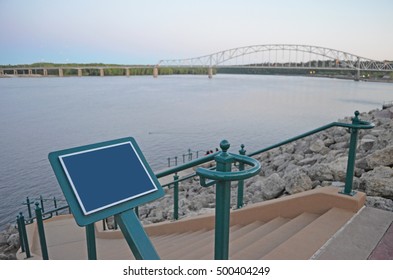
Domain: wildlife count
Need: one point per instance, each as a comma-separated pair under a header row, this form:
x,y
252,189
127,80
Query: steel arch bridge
x,y
284,56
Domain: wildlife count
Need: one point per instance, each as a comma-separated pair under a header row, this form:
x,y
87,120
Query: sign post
x,y
109,179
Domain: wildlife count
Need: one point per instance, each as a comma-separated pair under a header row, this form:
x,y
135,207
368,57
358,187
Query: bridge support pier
x,y
61,73
30,72
357,77
127,72
45,72
155,72
102,74
1,72
210,72
15,72
79,72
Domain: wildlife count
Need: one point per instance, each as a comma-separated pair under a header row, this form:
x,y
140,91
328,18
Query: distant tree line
x,y
117,70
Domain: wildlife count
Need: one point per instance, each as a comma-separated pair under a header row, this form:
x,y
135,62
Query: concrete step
x,y
209,250
270,241
359,237
190,246
304,244
252,235
176,242
205,250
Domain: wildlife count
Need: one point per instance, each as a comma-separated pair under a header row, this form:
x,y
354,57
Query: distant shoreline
x,y
373,80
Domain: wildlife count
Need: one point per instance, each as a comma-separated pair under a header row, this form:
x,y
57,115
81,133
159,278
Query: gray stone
x,y
384,114
328,141
3,238
380,203
378,182
382,157
307,161
320,172
297,181
280,161
317,146
366,144
340,145
272,186
13,240
338,168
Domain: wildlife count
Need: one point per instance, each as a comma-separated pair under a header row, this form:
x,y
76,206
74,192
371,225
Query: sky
x,y
146,31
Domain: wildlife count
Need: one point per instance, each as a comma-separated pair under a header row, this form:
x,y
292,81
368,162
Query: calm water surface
x,y
167,116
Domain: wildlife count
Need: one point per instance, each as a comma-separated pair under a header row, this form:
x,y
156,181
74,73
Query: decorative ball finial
x,y
356,113
224,145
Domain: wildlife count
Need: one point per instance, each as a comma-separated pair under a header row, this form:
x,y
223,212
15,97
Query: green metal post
x,y
169,162
176,197
351,157
41,232
55,204
223,202
42,203
137,211
136,237
91,242
28,207
240,188
22,246
24,235
115,223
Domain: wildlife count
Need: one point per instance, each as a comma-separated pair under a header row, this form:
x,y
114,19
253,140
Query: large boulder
x,y
13,240
297,181
320,172
272,187
382,157
317,146
338,168
378,182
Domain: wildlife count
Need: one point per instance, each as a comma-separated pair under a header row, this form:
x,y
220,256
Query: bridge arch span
x,y
282,56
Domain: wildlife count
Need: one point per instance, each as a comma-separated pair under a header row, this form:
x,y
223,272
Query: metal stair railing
x,y
221,177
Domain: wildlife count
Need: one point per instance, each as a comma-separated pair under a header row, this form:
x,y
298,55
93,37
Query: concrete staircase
x,y
319,224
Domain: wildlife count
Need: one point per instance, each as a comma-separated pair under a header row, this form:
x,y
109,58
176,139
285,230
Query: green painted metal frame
x,y
353,128
222,178
135,235
82,219
41,232
123,212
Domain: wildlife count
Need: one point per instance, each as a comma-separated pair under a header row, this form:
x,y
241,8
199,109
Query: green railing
x,y
183,158
221,176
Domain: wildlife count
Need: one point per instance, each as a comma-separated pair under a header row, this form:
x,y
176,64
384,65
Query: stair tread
x,y
190,246
178,241
249,237
209,254
267,243
311,238
206,251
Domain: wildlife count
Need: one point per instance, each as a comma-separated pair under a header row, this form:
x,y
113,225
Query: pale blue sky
x,y
143,32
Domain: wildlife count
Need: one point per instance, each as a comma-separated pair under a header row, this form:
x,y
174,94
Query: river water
x,y
167,116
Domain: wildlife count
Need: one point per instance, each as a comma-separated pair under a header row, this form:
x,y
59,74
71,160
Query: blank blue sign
x,y
106,176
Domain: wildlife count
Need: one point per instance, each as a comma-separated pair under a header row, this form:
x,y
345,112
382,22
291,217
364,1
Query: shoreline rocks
x,y
9,243
312,162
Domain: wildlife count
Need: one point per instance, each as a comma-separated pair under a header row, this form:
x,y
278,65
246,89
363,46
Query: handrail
x,y
363,125
223,165
231,176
